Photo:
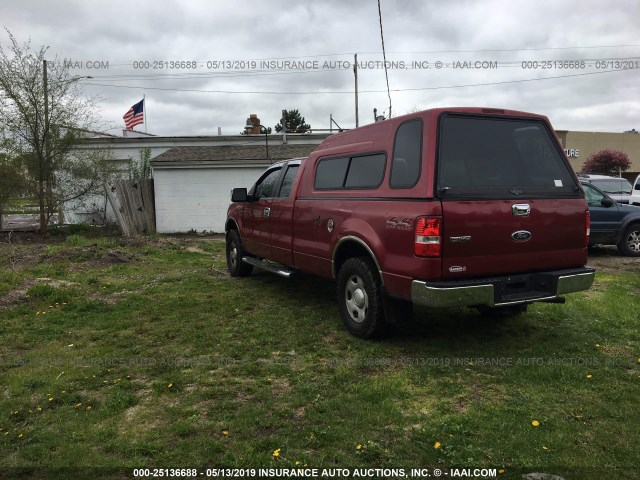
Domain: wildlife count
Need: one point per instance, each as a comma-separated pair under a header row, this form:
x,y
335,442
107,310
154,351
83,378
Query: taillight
x,y
428,236
587,230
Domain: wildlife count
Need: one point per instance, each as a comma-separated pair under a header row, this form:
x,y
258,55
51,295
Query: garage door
x,y
197,199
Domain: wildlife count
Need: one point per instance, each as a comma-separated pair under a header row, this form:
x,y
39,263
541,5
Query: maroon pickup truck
x,y
468,207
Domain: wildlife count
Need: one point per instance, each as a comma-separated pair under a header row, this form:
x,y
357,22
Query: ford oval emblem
x,y
521,236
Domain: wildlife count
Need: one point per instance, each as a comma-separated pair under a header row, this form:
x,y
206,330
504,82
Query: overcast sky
x,y
425,32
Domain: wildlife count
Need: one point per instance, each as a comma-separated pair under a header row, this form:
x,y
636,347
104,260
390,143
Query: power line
x,y
339,92
384,57
521,49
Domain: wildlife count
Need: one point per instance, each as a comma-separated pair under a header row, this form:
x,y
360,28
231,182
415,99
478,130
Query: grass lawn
x,y
145,353
22,206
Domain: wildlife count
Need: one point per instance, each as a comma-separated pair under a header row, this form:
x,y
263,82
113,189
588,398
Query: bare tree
x,y
12,183
44,115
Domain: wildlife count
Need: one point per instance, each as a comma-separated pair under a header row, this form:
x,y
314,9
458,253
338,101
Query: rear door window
x,y
479,156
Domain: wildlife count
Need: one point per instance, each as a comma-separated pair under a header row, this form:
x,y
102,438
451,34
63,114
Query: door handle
x,y
266,212
521,210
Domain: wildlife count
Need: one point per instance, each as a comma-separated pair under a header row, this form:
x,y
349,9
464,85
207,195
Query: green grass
x,y
21,206
146,354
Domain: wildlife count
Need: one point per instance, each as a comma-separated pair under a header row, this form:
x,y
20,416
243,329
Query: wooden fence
x,y
133,205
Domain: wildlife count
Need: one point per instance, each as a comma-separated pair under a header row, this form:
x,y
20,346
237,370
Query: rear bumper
x,y
501,291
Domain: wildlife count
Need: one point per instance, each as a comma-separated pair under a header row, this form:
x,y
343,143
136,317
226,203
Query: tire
x,y
630,241
235,252
360,298
502,312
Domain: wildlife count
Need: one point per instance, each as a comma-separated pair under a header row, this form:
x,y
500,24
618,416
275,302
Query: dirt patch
x,y
280,387
118,256
92,256
132,413
607,259
196,250
13,298
18,296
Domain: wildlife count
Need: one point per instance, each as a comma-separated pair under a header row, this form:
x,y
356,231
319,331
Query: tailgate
x,y
489,237
510,201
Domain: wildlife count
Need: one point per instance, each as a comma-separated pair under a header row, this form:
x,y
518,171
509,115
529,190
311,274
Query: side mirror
x,y
239,195
607,202
637,187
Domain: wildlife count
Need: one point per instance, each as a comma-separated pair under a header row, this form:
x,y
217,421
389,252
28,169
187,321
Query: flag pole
x,y
144,109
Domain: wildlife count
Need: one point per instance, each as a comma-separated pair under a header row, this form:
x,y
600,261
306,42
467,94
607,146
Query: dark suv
x,y
613,223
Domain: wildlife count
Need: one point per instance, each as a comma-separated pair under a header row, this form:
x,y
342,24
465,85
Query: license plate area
x,y
517,288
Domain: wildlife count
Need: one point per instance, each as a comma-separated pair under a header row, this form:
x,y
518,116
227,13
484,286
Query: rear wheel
x,y
235,252
360,298
630,242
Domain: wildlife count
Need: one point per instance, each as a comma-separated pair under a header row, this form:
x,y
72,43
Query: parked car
x,y
613,223
634,198
446,207
617,188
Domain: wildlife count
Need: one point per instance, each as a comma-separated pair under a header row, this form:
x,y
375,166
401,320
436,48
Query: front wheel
x,y
235,252
360,298
630,242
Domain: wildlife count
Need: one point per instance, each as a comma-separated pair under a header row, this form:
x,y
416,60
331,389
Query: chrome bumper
x,y
499,291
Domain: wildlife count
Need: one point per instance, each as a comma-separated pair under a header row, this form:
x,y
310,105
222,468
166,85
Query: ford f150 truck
x,y
447,207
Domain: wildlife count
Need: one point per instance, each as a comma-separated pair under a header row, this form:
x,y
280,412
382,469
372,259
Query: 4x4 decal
x,y
399,223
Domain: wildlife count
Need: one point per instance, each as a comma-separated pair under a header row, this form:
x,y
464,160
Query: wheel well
x,y
350,249
632,223
230,225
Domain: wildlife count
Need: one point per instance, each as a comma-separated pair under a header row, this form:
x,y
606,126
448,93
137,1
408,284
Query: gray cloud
x,y
122,32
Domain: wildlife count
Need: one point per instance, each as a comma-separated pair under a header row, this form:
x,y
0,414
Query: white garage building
x,y
193,176
193,184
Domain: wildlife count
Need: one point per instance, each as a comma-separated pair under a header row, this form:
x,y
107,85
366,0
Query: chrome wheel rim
x,y
356,299
233,255
633,241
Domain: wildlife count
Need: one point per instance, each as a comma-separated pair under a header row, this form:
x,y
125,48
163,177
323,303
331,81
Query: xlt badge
x,y
460,239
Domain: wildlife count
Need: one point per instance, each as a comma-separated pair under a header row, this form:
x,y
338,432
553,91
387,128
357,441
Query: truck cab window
x,y
287,182
266,185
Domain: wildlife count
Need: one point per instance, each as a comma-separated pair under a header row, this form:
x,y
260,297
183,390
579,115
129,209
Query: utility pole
x,y
355,74
144,109
284,127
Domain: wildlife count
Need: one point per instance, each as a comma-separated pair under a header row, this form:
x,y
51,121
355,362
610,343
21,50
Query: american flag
x,y
135,115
